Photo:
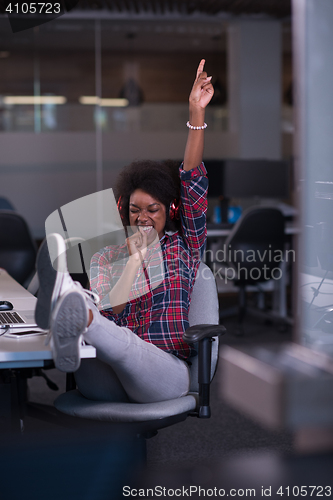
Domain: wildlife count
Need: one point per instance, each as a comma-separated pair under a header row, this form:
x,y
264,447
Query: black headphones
x,y
174,209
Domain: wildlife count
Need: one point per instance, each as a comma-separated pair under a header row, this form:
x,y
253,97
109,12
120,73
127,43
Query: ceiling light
x,y
119,103
30,99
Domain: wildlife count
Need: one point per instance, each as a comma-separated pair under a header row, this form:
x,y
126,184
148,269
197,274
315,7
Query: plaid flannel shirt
x,y
158,305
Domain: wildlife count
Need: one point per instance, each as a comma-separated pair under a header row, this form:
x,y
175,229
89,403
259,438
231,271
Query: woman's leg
x,y
146,373
97,380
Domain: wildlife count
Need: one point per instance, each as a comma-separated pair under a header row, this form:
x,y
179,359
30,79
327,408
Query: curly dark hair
x,y
160,179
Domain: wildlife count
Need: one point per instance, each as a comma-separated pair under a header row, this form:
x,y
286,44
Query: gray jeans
x,y
127,368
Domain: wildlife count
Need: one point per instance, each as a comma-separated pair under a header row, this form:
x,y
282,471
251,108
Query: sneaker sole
x,y
70,321
49,283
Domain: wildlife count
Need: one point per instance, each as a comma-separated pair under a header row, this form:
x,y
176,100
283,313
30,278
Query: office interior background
x,y
69,147
115,81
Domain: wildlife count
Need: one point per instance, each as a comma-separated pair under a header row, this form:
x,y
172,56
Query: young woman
x,y
137,329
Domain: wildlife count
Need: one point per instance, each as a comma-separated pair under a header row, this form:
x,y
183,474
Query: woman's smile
x,y
148,213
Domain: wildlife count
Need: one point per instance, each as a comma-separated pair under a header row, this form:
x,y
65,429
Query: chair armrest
x,y
198,332
203,335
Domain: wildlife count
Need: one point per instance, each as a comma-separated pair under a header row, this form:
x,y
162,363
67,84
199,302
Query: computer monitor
x,y
237,178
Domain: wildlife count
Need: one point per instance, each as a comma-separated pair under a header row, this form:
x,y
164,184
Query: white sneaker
x,y
54,280
69,321
62,304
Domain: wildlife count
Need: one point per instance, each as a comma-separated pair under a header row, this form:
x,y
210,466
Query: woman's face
x,y
146,211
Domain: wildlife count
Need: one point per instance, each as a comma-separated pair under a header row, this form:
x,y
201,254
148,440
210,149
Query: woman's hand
x,y
202,90
137,246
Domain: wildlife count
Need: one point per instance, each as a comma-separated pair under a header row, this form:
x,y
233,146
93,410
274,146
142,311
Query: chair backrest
x,y
204,309
255,245
18,250
5,204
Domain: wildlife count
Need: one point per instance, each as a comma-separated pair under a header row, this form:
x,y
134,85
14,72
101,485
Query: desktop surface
x,y
26,351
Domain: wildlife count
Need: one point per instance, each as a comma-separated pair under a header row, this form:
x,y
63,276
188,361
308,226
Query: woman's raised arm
x,y
201,94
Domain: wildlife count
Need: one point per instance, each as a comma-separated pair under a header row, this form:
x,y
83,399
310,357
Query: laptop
x,y
22,315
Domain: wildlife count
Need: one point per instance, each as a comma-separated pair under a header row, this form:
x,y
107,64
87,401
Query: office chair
x,y
256,239
148,418
5,204
18,249
75,263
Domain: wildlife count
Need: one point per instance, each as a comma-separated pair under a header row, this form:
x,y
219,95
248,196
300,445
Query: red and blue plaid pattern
x,y
157,310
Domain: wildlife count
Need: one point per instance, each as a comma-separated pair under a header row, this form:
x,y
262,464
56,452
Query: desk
x,y
31,352
28,352
279,287
290,229
17,356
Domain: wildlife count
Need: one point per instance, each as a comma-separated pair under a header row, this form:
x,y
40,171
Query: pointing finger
x,y
200,68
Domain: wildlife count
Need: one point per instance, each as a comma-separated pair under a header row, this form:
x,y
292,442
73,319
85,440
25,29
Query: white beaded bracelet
x,y
192,127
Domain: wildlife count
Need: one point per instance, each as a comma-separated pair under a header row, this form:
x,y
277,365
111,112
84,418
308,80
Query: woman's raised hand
x,y
201,94
137,245
202,90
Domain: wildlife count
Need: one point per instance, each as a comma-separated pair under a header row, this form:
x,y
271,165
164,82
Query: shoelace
x,y
90,295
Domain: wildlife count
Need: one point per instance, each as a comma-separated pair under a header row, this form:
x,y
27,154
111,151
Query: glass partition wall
x,y
313,41
60,64
80,98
